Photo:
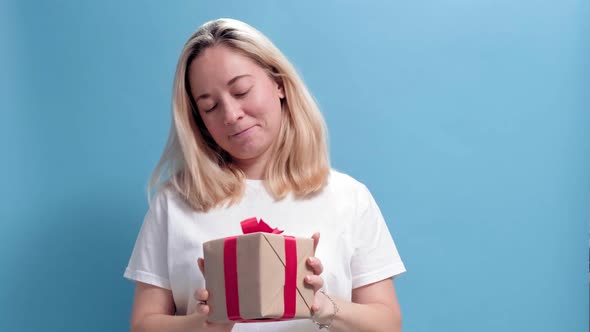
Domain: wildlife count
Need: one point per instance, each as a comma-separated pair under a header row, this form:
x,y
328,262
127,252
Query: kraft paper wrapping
x,y
261,277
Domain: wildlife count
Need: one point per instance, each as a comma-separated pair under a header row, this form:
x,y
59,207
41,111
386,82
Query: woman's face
x,y
240,104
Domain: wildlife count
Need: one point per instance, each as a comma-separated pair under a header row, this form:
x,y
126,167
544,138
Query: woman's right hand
x,y
202,311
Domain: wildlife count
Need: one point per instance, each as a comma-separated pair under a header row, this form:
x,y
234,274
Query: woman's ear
x,y
281,89
281,92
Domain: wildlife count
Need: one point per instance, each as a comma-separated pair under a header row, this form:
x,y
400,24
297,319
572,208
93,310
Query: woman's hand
x,y
320,304
201,295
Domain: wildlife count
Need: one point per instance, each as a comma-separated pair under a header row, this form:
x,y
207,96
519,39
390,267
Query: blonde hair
x,y
197,168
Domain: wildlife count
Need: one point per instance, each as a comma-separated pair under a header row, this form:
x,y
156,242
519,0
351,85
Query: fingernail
x,y
311,259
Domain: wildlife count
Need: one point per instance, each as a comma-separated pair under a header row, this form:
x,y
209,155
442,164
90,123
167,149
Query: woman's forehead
x,y
220,64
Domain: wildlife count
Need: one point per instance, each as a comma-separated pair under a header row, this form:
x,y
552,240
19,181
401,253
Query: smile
x,y
243,132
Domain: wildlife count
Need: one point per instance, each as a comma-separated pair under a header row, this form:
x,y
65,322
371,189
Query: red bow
x,y
251,225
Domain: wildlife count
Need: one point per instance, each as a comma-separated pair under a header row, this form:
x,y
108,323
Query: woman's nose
x,y
233,112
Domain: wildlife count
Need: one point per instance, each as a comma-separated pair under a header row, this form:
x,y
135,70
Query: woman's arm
x,y
374,307
153,310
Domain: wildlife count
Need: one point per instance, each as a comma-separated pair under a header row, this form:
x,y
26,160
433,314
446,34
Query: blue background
x,y
468,120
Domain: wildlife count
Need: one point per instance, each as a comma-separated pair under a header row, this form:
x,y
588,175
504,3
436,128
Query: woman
x,y
247,140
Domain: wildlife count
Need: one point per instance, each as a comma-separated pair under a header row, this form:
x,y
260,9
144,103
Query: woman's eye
x,y
242,94
211,109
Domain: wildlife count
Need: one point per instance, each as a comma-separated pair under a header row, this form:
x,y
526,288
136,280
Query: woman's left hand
x,y
314,280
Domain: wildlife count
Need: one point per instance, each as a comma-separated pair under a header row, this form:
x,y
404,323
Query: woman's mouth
x,y
243,132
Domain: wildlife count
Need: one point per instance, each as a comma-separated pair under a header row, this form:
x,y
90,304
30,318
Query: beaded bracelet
x,y
336,309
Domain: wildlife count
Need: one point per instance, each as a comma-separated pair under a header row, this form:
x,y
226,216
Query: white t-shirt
x,y
355,245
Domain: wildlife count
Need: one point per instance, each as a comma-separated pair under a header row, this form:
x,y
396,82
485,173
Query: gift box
x,y
258,276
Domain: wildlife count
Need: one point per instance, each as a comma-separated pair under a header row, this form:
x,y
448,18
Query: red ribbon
x,y
230,248
290,289
251,225
230,262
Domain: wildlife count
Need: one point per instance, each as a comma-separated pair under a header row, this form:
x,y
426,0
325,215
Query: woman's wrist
x,y
327,313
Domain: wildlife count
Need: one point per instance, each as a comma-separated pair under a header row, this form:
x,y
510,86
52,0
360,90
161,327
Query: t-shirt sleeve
x,y
149,259
375,256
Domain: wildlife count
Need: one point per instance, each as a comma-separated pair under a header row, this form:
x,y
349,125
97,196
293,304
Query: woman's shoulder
x,y
342,182
347,190
167,197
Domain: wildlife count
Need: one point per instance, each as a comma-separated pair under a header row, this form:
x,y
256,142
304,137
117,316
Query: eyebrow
x,y
230,82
